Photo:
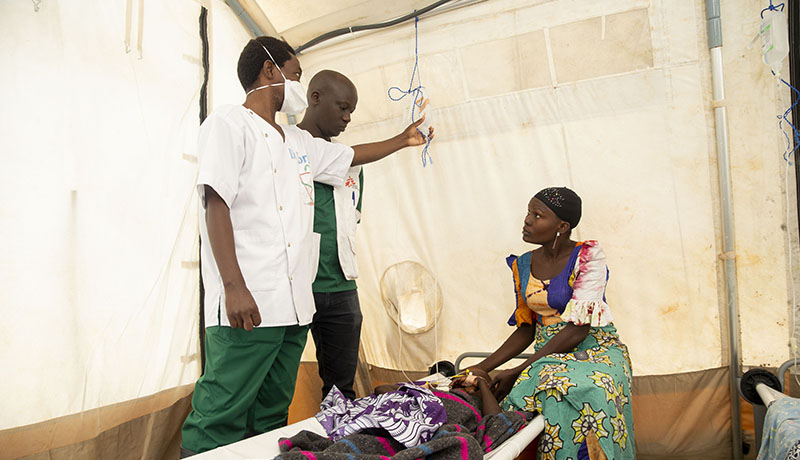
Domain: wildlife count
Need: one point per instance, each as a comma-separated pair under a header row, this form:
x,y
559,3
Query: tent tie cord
x,y
716,103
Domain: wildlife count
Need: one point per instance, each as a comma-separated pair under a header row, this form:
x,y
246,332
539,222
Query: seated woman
x,y
470,424
579,377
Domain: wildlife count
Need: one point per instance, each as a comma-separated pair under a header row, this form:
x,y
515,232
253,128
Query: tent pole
x,y
245,17
714,27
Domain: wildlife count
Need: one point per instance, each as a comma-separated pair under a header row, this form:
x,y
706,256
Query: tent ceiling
x,y
301,20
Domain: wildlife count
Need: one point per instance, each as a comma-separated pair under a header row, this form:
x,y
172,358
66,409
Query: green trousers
x,y
247,385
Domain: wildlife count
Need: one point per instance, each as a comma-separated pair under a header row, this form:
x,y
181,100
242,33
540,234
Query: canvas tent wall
x,y
611,98
99,231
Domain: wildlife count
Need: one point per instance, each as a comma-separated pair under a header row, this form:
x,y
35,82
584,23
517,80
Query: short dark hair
x,y
253,57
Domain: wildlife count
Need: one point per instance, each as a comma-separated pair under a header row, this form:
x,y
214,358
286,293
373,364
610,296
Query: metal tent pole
x,y
245,17
714,27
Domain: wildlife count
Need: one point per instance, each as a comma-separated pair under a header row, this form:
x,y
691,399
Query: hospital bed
x,y
265,446
762,389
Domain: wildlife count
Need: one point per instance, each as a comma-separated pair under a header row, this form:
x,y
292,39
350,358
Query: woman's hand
x,y
502,384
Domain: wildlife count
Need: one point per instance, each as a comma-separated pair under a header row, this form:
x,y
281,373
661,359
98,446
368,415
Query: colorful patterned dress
x,y
583,395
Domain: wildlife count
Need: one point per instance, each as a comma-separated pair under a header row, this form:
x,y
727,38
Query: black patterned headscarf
x,y
565,203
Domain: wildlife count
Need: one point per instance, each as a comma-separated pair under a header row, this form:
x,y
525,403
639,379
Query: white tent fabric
x,y
227,37
610,98
99,235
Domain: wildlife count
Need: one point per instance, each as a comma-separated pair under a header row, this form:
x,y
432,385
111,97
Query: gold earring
x,y
556,240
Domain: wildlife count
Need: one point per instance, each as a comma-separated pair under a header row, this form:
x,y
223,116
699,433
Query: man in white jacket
x,y
258,251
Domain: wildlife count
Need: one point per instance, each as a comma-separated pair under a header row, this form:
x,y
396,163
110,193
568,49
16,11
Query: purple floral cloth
x,y
411,415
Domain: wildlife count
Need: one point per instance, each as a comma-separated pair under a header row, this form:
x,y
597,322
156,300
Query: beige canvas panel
x,y
147,427
604,45
682,416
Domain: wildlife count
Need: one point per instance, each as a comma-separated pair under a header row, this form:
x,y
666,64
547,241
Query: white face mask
x,y
294,95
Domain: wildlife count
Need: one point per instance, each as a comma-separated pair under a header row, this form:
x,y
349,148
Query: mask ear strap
x,y
274,63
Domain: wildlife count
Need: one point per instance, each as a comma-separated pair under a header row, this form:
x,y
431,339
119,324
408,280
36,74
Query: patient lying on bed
x,y
409,421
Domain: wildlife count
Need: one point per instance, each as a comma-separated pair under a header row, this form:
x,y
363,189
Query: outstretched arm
x,y
516,343
374,151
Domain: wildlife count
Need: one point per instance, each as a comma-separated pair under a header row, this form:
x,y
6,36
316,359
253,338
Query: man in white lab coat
x,y
258,251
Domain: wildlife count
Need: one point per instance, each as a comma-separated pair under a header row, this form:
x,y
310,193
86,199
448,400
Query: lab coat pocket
x,y
260,255
347,257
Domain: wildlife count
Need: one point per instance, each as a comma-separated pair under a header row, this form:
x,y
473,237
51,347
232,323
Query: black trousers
x,y
336,330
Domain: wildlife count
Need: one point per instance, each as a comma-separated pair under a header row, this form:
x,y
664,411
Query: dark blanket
x,y
467,435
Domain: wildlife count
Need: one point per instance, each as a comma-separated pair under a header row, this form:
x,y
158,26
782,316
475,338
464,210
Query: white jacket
x,y
345,200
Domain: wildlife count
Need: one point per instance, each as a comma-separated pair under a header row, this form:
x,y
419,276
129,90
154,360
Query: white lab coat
x,y
268,184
